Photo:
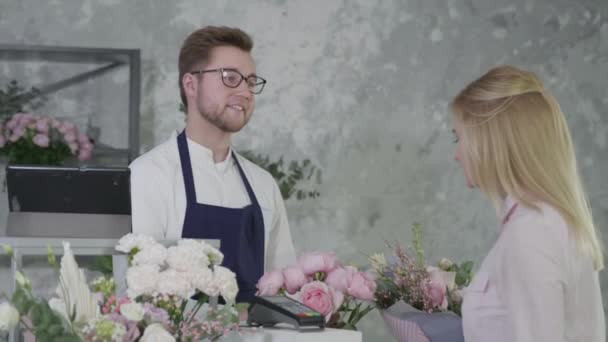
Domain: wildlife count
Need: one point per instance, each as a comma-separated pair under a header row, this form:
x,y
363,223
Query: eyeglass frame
x,y
243,78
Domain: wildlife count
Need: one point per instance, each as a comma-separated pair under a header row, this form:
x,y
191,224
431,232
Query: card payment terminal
x,y
271,310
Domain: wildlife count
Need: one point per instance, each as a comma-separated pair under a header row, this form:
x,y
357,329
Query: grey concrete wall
x,y
360,87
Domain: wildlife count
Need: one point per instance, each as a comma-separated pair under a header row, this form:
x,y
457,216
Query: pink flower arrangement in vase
x,y
342,294
26,138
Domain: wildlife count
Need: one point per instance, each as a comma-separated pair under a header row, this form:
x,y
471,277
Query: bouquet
x,y
420,302
26,138
160,282
343,294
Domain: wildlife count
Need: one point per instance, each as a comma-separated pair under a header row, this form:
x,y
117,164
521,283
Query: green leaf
x,y
21,301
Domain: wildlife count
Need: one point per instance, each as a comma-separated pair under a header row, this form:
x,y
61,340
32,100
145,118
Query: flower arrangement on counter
x,y
26,138
343,294
160,283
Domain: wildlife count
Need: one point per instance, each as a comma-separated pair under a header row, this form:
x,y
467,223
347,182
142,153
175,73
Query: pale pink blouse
x,y
534,286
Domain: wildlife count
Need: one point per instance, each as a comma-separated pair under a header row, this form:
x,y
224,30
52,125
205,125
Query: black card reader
x,y
271,310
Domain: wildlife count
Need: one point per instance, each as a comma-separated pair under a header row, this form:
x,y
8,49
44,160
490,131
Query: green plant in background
x,y
16,99
288,176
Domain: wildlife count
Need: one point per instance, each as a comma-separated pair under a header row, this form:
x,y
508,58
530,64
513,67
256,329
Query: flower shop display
x,y
157,305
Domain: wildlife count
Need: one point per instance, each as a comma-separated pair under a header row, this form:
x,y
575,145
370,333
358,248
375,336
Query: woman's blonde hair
x,y
517,143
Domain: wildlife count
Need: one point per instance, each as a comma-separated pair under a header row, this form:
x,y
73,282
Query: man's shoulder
x,y
160,157
258,173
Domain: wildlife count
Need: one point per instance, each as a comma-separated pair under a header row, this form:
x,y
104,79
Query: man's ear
x,y
190,85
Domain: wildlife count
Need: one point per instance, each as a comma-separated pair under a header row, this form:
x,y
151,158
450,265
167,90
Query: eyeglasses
x,y
233,78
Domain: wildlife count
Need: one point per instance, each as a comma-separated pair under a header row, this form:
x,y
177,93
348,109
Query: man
x,y
195,185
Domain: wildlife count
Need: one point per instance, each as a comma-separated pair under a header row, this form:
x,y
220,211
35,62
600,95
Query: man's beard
x,y
217,119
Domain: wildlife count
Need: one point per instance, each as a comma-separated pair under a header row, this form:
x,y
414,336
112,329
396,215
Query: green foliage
x,y
288,176
15,99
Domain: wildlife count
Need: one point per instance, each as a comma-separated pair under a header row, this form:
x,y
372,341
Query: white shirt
x,y
158,196
534,286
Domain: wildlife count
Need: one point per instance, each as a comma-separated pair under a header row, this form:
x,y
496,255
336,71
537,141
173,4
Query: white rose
x,y
445,264
142,279
156,333
133,311
9,317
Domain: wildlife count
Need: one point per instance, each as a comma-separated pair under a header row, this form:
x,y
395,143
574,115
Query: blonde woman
x,y
539,282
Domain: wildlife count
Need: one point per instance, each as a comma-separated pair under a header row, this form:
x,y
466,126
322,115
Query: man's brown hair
x,y
196,49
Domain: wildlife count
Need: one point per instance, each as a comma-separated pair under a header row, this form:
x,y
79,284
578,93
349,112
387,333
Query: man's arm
x,y
149,198
281,251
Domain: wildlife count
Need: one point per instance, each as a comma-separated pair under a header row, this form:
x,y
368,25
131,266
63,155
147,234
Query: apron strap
x,y
184,157
250,192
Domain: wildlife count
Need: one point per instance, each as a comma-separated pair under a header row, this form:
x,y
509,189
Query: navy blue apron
x,y
240,230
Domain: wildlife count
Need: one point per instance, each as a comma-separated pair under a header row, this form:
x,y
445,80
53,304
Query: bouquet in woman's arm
x,y
420,303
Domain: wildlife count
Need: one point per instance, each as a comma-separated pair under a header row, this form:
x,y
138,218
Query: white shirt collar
x,y
201,153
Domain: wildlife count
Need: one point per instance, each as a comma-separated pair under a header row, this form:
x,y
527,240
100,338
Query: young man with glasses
x,y
195,185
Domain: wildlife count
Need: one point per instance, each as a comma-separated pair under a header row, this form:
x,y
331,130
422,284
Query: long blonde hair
x,y
518,143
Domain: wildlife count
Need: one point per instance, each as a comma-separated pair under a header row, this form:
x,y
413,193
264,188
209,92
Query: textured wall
x,y
361,87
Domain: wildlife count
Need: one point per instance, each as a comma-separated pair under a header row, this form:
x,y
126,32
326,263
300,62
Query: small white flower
x,y
172,282
9,317
186,256
142,279
131,241
151,254
202,280
133,311
213,254
445,264
378,261
225,281
156,333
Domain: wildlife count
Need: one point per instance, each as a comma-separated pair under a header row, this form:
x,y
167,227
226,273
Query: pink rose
x,y
294,278
362,286
321,298
42,125
436,290
42,140
314,262
270,283
12,123
83,138
84,154
18,132
340,278
69,137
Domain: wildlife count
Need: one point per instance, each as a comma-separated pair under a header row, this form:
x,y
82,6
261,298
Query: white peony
x,y
131,241
9,317
142,279
186,256
156,333
133,311
151,254
225,280
172,282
